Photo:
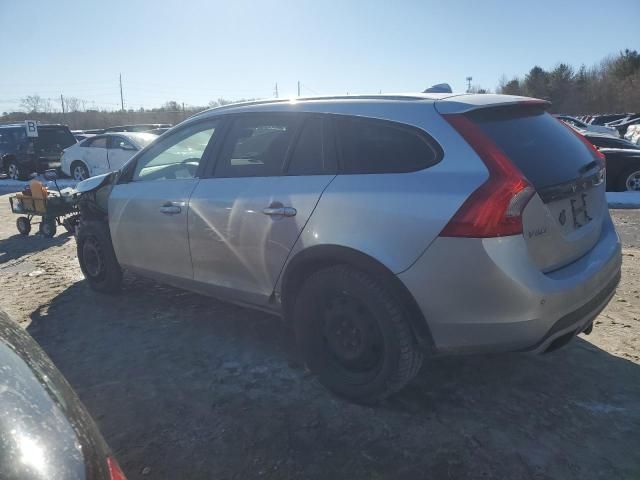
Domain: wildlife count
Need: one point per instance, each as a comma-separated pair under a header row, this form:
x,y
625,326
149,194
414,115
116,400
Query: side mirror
x,y
128,147
51,174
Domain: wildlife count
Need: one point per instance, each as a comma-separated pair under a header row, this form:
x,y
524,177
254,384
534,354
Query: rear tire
x,y
97,259
355,335
24,225
79,171
14,172
629,180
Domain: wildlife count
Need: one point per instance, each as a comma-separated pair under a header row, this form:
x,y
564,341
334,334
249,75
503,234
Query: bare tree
x,y
32,103
74,104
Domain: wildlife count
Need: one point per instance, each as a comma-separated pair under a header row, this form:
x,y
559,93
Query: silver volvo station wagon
x,y
387,229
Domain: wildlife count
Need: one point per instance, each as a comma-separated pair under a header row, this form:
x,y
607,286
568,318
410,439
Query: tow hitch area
x,y
588,330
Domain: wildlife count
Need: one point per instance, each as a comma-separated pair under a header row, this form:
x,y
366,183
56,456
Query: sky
x,y
196,51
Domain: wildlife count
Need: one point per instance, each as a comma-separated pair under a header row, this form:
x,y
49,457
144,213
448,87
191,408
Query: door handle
x,y
280,211
171,208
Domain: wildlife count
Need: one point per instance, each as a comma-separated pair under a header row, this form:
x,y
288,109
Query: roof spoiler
x,y
439,88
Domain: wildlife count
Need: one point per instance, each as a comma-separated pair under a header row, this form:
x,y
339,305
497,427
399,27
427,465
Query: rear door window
x,y
544,149
96,142
378,146
313,153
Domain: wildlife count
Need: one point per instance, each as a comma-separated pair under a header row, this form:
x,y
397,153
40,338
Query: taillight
x,y
495,208
599,156
114,470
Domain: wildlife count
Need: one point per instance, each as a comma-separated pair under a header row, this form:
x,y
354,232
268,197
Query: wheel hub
x,y
633,181
78,173
13,171
350,333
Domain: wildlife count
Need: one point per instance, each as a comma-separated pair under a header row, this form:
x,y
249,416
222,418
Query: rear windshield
x,y
52,138
544,150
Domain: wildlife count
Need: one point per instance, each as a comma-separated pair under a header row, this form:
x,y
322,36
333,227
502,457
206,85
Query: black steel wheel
x,y
354,334
97,258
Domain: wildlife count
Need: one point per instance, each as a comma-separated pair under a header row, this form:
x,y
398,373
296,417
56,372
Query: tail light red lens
x,y
114,470
495,208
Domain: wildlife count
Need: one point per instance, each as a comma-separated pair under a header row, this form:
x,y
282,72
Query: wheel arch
x,y
314,258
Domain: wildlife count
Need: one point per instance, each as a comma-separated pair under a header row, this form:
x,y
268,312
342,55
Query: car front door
x,y
148,208
119,150
246,217
94,155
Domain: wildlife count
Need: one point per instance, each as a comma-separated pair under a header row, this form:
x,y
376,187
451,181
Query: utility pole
x,y
298,87
469,84
276,89
121,96
62,103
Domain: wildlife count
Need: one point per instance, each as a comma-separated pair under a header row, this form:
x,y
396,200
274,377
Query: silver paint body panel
x,y
475,294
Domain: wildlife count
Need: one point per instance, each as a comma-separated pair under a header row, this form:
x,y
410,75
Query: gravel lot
x,y
186,387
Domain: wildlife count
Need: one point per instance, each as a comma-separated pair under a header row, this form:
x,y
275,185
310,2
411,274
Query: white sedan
x,y
102,153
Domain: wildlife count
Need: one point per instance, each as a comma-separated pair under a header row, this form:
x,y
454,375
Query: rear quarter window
x,y
380,146
55,137
544,149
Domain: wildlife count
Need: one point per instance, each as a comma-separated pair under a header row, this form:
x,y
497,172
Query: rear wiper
x,y
587,167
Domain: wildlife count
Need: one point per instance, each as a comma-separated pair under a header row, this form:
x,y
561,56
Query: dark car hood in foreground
x,y
45,432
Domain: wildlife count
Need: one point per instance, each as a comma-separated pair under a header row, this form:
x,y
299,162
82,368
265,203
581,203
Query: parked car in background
x,y
585,127
21,156
140,127
102,153
158,131
81,135
373,224
607,141
624,125
633,134
45,431
603,119
623,169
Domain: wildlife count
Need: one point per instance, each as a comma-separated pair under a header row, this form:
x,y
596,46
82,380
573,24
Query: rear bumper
x,y
486,295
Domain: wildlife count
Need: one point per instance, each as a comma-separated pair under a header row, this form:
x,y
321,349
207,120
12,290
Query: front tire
x,y
355,335
97,259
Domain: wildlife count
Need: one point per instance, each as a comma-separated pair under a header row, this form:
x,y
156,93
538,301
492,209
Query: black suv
x,y
20,156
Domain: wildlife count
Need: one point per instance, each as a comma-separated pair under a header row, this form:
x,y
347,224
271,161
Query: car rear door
x,y
243,221
119,151
148,209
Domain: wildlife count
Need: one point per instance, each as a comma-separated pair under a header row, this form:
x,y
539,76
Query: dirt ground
x,y
186,387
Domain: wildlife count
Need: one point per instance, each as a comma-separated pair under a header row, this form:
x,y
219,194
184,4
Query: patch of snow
x,y
8,186
623,199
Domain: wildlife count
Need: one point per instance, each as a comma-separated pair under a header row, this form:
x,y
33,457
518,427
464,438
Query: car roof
x,y
135,136
447,102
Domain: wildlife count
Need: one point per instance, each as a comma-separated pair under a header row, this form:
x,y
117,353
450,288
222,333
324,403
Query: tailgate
x,y
563,221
